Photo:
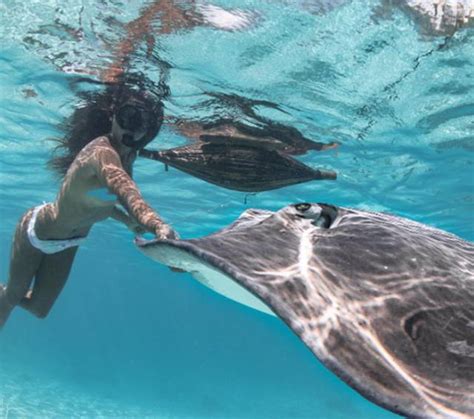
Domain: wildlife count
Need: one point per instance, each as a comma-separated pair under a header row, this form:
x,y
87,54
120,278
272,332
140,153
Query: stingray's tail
x,y
150,154
326,174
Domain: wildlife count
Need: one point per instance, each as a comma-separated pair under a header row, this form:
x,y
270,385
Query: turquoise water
x,y
128,337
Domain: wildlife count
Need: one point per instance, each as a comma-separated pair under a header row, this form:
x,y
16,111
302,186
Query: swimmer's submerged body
x,y
47,237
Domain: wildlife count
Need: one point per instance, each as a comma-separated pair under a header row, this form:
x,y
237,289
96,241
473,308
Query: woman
x,y
98,176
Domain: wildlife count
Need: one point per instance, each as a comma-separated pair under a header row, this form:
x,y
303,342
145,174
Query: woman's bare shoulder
x,y
96,151
102,142
101,146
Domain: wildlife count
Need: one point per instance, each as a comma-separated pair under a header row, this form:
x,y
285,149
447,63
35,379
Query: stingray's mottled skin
x,y
239,164
386,303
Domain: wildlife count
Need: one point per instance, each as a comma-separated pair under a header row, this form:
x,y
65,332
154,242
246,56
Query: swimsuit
x,y
55,246
49,246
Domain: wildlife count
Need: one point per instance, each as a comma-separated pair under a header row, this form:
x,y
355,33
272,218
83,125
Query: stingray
x,y
384,302
238,163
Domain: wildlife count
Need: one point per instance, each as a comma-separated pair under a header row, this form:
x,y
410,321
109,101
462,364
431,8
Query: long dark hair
x,y
93,117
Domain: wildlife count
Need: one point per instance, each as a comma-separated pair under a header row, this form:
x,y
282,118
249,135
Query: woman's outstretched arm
x,y
111,174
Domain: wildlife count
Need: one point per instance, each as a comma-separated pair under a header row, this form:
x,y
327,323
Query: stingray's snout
x,y
323,215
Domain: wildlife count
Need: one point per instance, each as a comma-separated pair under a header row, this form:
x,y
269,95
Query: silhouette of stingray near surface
x,y
237,116
238,163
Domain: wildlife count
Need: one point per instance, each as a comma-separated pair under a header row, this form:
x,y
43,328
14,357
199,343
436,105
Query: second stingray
x,y
238,163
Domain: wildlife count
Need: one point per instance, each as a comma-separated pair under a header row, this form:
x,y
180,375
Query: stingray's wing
x,y
384,302
239,166
248,219
169,254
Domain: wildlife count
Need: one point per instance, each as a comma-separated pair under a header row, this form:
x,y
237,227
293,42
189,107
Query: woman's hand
x,y
164,231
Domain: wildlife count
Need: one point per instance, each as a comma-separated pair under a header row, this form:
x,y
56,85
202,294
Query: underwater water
x,y
130,338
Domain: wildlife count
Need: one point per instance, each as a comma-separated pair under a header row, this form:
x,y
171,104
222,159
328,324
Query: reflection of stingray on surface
x,y
241,149
238,163
386,303
272,135
240,116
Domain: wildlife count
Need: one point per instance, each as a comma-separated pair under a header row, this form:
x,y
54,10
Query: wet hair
x,y
93,118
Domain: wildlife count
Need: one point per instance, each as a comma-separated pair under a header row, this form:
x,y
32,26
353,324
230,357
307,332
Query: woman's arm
x,y
109,170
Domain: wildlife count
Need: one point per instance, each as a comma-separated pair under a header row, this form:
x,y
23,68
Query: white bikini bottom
x,y
49,246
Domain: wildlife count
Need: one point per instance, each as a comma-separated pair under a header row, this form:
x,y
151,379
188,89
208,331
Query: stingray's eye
x,y
303,207
324,221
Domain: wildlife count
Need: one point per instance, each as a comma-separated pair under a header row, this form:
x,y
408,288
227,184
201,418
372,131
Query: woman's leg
x,y
25,260
50,279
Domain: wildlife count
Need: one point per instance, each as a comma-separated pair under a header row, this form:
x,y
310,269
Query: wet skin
x,y
103,163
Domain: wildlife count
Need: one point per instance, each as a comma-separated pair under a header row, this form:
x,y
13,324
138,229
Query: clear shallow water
x,y
128,337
